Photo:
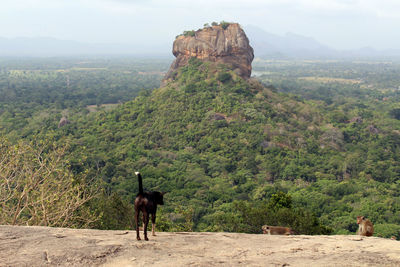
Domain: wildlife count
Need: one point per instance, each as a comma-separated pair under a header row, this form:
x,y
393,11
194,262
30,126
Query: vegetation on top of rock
x,y
224,24
192,33
189,33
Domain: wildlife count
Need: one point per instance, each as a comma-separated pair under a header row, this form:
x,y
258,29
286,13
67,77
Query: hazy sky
x,y
338,23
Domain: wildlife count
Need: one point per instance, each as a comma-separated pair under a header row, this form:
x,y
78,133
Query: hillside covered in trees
x,y
232,155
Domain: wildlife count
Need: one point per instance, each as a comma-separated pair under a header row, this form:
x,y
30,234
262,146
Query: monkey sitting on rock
x,y
365,227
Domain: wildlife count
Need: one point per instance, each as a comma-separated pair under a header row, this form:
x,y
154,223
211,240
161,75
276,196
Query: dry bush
x,y
37,187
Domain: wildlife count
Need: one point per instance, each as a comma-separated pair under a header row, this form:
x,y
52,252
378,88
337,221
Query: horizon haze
x,y
152,25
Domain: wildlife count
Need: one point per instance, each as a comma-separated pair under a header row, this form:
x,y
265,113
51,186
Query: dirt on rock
x,y
44,246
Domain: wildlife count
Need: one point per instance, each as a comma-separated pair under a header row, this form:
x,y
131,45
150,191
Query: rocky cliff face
x,y
228,46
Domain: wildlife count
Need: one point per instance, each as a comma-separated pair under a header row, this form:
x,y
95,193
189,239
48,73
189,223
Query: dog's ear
x,y
163,193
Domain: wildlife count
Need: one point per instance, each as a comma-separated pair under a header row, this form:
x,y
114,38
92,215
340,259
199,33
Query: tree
x,y
224,24
38,188
224,77
395,113
277,211
280,200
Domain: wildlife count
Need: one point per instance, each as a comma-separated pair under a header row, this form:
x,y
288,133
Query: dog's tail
x,y
140,182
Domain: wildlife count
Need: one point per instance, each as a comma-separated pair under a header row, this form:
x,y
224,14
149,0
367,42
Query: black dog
x,y
147,203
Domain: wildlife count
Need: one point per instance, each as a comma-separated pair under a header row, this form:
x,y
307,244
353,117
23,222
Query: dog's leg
x,y
137,224
146,222
153,224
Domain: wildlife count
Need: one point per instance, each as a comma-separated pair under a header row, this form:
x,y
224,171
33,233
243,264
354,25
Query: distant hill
x,y
267,45
291,45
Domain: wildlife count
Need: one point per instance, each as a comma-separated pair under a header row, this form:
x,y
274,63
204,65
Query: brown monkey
x,y
277,230
365,227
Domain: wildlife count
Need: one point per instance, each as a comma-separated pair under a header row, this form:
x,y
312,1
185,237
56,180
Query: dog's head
x,y
159,197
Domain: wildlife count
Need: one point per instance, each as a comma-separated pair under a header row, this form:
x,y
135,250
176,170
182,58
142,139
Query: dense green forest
x,y
312,148
35,92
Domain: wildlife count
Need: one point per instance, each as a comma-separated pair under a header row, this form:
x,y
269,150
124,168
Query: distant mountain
x,y
265,45
47,46
290,45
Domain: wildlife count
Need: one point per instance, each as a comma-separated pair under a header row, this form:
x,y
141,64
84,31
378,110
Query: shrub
x,y
224,77
395,113
189,33
114,212
224,24
278,212
387,230
38,187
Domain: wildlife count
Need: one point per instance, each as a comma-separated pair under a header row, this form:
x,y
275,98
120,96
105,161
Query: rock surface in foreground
x,y
228,46
43,246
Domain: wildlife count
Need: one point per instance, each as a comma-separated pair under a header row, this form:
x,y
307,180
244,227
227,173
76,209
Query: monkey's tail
x,y
140,182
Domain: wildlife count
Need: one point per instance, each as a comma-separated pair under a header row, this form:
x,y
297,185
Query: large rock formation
x,y
227,45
